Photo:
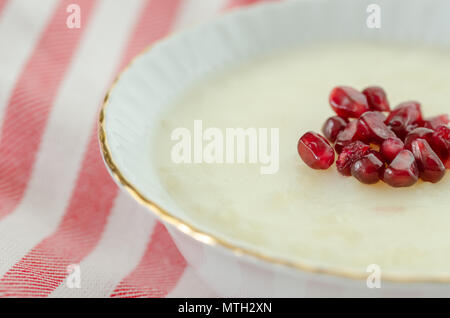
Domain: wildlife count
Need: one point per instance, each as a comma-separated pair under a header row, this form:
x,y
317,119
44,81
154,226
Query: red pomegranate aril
x,y
430,166
377,99
421,132
371,128
349,155
390,148
347,102
398,149
367,169
437,121
346,136
315,151
379,115
411,128
403,171
404,118
333,126
440,143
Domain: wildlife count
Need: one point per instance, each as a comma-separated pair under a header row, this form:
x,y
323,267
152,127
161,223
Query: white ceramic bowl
x,y
137,100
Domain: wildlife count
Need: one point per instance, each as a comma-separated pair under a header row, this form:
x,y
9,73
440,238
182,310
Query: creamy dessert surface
x,y
300,213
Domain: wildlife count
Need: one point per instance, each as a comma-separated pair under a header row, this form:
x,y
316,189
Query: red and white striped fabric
x,y
58,205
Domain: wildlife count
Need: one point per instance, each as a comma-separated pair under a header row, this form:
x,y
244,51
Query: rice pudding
x,y
299,213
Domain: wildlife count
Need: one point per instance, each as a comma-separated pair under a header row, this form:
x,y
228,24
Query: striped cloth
x,y
60,212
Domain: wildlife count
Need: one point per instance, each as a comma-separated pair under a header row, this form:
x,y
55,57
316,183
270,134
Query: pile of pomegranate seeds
x,y
398,148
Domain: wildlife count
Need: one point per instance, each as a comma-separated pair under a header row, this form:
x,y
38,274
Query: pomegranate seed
x,y
413,147
390,148
377,99
346,136
430,166
315,151
333,126
435,122
379,115
347,102
403,171
371,128
349,155
440,143
367,169
404,118
421,132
